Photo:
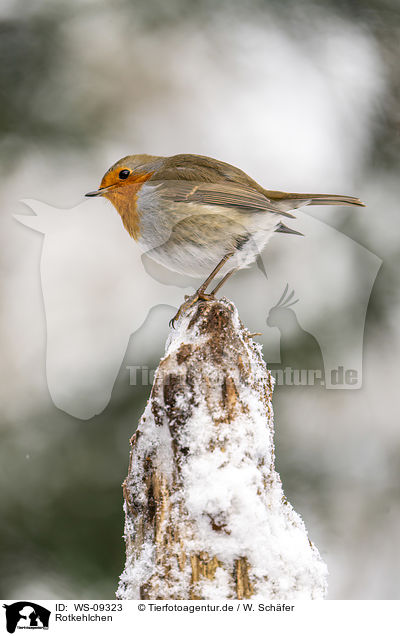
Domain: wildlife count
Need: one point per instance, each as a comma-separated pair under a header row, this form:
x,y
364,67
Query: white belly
x,y
192,239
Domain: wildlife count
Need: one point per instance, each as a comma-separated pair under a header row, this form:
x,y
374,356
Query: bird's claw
x,y
189,302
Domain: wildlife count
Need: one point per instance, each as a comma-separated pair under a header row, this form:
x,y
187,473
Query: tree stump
x,y
205,513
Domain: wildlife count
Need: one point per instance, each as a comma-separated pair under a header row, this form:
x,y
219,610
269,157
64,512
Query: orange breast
x,y
124,198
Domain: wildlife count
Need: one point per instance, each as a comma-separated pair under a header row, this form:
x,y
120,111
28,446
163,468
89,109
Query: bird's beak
x,y
95,193
103,190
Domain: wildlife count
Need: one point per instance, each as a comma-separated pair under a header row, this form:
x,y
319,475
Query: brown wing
x,y
226,195
196,178
198,168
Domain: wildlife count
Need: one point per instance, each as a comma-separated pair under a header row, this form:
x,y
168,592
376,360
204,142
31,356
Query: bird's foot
x,y
189,302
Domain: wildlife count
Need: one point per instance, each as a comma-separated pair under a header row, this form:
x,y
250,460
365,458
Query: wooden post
x,y
205,514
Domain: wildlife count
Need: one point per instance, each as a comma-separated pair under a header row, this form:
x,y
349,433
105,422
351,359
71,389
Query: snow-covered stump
x,y
205,514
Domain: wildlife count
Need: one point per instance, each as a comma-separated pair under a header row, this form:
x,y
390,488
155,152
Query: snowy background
x,y
303,96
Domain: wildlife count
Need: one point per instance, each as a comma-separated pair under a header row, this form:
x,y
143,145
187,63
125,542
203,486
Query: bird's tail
x,y
293,200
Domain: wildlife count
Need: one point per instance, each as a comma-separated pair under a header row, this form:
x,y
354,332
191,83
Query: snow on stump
x,y
205,514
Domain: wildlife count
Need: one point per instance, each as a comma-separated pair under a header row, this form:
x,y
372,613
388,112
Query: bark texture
x,y
205,514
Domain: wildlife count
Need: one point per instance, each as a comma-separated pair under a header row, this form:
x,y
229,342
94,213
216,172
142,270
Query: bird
x,y
299,349
200,216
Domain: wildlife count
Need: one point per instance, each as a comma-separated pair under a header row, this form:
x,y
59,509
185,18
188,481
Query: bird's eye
x,y
124,174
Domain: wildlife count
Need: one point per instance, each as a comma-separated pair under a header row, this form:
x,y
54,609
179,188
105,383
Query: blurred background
x,y
303,96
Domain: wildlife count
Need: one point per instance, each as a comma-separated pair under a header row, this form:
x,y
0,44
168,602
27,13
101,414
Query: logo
x,y
26,615
103,302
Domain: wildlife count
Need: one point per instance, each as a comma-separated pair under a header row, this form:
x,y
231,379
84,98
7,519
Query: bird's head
x,y
121,184
129,171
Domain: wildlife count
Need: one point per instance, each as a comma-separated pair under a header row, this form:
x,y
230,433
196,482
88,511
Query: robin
x,y
196,215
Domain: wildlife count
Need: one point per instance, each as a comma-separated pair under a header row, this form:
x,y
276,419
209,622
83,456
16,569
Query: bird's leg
x,y
200,293
223,280
201,290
